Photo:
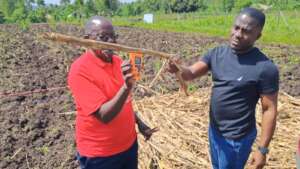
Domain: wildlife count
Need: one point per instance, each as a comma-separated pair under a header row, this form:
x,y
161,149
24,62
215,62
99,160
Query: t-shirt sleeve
x,y
88,96
269,79
207,58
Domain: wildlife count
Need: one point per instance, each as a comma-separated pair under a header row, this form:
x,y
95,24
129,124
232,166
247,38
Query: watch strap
x,y
263,150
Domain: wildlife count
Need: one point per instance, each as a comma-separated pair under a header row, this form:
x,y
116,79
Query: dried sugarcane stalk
x,y
113,46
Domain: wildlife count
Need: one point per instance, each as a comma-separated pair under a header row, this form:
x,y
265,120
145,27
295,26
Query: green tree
x,y
106,7
130,9
89,8
20,12
28,4
112,5
65,2
40,2
228,5
126,10
64,13
7,7
151,5
19,15
37,16
2,20
79,3
296,5
79,9
240,4
185,6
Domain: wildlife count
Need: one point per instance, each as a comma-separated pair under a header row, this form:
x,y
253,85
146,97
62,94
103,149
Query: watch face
x,y
263,150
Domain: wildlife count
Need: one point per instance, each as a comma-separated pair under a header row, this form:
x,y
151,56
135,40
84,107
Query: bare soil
x,y
36,130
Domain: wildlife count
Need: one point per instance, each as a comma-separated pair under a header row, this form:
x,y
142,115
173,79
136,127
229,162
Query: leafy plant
x,y
52,22
192,88
44,149
24,24
2,19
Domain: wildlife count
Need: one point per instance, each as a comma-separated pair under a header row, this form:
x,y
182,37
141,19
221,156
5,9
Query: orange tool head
x,y
136,61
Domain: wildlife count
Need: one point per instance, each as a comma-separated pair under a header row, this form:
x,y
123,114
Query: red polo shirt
x,y
92,83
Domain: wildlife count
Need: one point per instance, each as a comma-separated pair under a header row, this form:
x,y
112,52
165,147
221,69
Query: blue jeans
x,y
298,160
125,160
227,153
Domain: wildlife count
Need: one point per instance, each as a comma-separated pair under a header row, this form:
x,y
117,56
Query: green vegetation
x,y
209,17
43,150
157,66
192,88
281,27
294,60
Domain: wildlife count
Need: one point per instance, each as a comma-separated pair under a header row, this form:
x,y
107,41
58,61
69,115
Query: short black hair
x,y
256,14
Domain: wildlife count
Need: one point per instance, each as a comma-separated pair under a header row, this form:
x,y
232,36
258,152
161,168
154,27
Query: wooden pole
x,y
102,45
113,46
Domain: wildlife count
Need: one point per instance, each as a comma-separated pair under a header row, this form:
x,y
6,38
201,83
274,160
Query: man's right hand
x,y
258,160
173,64
127,75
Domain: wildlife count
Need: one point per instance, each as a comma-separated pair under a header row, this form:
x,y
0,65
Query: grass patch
x,y
295,60
192,88
43,150
280,28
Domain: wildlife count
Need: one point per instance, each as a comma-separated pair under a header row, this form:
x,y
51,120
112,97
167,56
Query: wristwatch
x,y
263,150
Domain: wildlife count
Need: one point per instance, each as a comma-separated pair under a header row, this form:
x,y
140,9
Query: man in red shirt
x,y
101,85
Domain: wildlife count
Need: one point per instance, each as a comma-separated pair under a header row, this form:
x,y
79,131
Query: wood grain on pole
x,y
113,46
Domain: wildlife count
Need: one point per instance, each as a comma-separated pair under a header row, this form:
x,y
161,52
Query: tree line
x,y
36,11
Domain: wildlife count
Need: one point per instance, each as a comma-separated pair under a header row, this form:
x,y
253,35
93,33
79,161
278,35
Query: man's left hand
x,y
146,131
258,160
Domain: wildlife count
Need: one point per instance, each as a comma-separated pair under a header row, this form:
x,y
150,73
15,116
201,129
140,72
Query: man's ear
x,y
258,36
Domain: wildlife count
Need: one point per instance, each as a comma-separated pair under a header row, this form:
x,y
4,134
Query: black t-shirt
x,y
238,81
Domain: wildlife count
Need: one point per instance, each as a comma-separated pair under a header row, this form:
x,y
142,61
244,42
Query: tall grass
x,y
280,28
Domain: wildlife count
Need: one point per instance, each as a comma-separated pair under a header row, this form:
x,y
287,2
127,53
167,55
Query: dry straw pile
x,y
183,122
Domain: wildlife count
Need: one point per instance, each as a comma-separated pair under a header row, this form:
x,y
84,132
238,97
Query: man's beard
x,y
104,54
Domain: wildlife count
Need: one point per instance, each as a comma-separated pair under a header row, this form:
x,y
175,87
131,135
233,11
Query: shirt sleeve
x,y
207,58
87,95
269,79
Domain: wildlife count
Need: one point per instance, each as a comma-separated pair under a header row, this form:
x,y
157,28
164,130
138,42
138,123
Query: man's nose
x,y
238,33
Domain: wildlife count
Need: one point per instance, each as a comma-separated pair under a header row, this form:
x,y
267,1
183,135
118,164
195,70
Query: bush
x,y
185,6
240,4
24,24
37,16
2,20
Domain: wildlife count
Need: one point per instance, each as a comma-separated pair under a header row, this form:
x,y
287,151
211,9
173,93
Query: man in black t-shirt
x,y
241,75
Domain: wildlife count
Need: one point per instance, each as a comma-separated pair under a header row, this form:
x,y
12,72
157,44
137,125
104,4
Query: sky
x,y
52,1
57,1
127,0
